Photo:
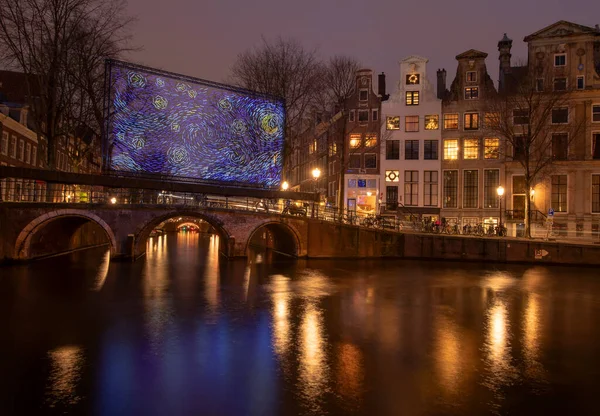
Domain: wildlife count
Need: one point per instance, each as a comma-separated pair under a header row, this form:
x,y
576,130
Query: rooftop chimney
x,y
441,83
381,87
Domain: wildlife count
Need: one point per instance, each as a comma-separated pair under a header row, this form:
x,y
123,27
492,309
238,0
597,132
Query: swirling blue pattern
x,y
162,124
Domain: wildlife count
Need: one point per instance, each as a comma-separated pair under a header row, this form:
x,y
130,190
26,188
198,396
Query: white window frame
x,y
560,213
596,105
359,94
556,55
592,142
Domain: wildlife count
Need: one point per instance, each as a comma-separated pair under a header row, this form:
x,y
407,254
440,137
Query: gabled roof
x,y
415,58
561,28
473,54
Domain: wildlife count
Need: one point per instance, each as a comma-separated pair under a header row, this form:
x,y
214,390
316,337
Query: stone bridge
x,y
32,230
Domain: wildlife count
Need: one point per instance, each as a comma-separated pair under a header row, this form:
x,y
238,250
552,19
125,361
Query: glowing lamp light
x,y
369,193
113,200
316,173
532,192
500,191
285,185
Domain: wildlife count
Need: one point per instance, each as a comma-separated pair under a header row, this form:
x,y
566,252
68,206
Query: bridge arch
x,y
143,232
23,243
287,238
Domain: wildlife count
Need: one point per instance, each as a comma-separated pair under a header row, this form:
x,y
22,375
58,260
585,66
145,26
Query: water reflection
x,y
65,375
281,314
179,332
314,369
102,272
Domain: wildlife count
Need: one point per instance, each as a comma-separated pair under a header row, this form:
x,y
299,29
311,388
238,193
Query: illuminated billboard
x,y
168,124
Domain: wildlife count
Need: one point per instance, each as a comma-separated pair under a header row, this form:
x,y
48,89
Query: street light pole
x,y
500,192
316,173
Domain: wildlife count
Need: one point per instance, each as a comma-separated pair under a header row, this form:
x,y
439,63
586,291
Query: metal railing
x,y
519,215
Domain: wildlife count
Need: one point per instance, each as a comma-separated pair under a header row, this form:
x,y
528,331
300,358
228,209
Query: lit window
x,y
393,123
471,76
363,116
392,176
471,149
491,148
471,121
450,121
450,149
411,123
371,140
413,79
471,93
355,141
560,59
432,122
332,149
412,97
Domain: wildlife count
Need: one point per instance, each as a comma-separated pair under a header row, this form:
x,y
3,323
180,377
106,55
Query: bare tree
x,y
60,46
537,120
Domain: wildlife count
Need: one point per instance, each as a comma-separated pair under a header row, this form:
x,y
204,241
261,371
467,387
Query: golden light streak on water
x,y
281,315
350,374
102,272
448,356
211,274
65,375
314,371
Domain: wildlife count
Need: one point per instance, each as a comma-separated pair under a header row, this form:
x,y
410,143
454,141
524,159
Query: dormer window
x,y
560,59
471,76
363,95
471,93
413,79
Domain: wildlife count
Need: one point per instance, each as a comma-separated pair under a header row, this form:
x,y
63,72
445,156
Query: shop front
x,y
362,195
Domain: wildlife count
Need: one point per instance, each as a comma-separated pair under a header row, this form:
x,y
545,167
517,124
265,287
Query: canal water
x,y
182,332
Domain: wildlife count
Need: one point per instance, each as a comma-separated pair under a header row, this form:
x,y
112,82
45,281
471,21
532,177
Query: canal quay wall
x,y
499,250
327,240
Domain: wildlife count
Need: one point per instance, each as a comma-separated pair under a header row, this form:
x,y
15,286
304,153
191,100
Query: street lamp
x,y
285,186
113,200
500,192
315,173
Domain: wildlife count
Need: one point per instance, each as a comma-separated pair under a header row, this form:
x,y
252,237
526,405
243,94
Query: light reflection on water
x,y
185,332
65,375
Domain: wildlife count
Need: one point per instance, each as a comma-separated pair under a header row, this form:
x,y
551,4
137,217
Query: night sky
x,y
203,38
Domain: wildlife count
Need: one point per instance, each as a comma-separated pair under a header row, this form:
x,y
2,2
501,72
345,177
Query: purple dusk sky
x,y
202,38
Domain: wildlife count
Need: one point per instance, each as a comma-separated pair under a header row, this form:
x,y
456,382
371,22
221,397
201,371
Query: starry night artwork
x,y
161,123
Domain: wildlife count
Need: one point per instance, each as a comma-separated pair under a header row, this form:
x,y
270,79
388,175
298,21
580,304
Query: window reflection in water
x,y
156,284
281,318
211,274
65,375
350,372
313,362
448,354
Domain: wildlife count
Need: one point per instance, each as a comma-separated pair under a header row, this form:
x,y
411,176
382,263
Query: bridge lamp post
x,y
500,192
316,174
